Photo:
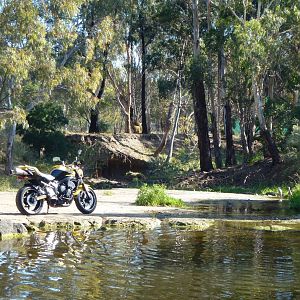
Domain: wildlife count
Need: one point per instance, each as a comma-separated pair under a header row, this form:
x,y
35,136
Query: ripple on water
x,y
220,263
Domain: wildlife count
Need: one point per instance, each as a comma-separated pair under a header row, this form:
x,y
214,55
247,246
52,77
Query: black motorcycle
x,y
59,188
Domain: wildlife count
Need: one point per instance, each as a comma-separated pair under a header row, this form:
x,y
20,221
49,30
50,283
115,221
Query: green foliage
x,y
9,183
283,118
44,121
294,139
46,117
185,159
160,171
258,156
231,189
104,126
295,198
165,87
23,153
54,143
156,196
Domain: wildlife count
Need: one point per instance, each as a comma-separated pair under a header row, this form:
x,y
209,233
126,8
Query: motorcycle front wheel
x,y
86,201
26,201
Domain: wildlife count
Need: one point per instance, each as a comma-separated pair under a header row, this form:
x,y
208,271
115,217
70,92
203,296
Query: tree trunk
x,y
94,121
230,153
166,130
11,133
143,95
216,141
271,83
214,121
199,102
128,123
200,114
129,85
94,113
243,135
250,128
265,133
170,153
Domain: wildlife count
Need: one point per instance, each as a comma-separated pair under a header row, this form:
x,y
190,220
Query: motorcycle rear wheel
x,y
26,201
86,201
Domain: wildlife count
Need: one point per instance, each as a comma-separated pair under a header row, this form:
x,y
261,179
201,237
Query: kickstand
x,y
48,206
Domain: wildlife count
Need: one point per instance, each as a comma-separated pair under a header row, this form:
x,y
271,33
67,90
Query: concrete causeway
x,y
116,207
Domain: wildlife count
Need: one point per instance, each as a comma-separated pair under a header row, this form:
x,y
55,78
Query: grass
x,y
295,198
108,193
156,196
9,183
232,189
256,189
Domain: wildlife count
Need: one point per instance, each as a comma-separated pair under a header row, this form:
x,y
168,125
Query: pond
x,y
223,262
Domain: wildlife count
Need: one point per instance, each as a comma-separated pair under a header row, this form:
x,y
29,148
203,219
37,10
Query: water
x,y
221,263
243,208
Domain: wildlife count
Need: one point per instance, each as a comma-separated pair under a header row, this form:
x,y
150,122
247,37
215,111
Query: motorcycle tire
x,y
86,201
26,201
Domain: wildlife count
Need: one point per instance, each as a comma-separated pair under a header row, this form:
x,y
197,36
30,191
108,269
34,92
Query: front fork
x,y
82,187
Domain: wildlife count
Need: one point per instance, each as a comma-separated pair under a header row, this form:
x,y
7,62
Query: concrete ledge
x,y
116,208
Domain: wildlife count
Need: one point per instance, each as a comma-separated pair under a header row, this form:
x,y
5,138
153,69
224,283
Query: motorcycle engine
x,y
66,188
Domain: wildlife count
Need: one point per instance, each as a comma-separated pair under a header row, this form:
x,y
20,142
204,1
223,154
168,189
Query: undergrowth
x,y
156,196
9,183
295,198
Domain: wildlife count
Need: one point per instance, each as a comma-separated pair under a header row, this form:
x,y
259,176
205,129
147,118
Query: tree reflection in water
x,y
221,262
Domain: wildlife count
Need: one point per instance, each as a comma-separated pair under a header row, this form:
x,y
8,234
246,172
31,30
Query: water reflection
x,y
243,209
220,263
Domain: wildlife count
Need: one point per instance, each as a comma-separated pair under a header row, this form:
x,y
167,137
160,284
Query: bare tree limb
x,y
118,90
235,14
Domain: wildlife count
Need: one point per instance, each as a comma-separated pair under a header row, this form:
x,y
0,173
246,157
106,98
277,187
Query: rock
x,y
272,228
139,223
192,224
10,229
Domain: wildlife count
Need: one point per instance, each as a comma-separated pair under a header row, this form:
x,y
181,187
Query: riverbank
x,y
116,208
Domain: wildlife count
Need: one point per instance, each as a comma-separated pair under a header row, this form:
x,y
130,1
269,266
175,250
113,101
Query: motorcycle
x,y
59,188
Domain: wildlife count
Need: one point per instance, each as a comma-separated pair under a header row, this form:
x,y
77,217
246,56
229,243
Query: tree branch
x,y
235,14
118,90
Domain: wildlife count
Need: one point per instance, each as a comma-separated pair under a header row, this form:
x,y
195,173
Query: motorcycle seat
x,y
46,176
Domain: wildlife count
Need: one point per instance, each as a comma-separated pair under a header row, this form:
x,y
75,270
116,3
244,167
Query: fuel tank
x,y
60,172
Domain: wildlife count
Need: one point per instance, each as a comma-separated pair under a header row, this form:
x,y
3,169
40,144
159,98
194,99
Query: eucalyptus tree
x,y
24,64
198,89
147,28
82,52
211,95
168,57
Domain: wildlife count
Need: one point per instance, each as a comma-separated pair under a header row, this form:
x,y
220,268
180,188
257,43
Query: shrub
x,y
9,183
294,138
156,196
160,171
44,121
295,198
